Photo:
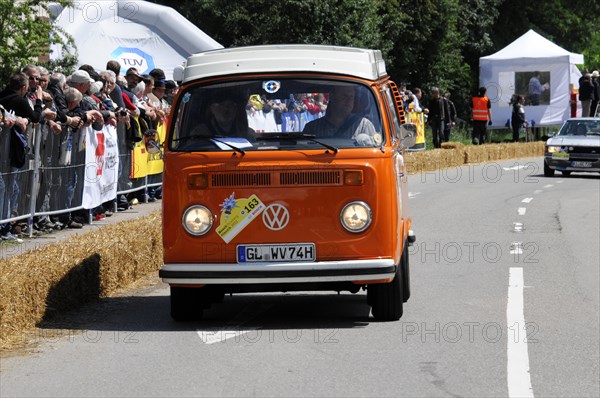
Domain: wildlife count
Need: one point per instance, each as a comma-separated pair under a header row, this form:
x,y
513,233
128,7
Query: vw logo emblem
x,y
276,217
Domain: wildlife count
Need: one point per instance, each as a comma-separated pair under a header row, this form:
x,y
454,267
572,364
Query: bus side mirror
x,y
408,135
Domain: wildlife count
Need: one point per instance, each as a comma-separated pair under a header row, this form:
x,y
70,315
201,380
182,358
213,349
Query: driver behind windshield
x,y
340,121
225,116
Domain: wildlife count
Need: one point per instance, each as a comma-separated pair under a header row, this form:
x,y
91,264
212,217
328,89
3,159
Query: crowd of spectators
x,y
65,104
439,111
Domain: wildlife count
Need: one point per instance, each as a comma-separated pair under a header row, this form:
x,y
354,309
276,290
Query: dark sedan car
x,y
576,147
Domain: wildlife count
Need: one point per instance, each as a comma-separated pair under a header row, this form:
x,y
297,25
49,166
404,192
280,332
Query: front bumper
x,y
322,271
573,162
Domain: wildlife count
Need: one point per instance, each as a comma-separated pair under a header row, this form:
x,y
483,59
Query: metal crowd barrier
x,y
51,181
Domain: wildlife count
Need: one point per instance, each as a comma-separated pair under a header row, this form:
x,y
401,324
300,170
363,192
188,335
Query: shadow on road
x,y
576,175
253,311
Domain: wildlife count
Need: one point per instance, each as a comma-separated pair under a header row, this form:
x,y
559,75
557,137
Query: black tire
x,y
548,172
566,173
186,305
404,262
211,294
387,299
370,295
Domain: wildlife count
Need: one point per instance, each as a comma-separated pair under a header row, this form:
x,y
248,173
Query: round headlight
x,y
356,216
197,220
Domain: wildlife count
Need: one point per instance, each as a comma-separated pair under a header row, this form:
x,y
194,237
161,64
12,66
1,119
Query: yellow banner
x,y
154,145
147,155
139,157
418,119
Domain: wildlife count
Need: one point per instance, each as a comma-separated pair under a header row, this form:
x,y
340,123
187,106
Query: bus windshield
x,y
276,114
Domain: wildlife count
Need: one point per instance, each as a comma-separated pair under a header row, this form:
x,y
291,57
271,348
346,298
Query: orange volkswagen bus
x,y
284,171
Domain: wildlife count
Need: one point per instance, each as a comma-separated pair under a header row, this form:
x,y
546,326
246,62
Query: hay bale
x,y
475,154
415,161
38,284
452,145
436,159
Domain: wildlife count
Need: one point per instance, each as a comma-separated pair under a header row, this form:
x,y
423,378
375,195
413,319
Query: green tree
x,y
240,23
425,43
438,43
571,25
592,51
26,33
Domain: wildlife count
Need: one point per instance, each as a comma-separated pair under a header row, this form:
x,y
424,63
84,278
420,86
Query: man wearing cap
x,y
157,100
81,81
594,108
131,100
133,78
170,91
159,82
158,74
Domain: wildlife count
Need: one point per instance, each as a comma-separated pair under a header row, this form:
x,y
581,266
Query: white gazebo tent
x,y
134,32
529,53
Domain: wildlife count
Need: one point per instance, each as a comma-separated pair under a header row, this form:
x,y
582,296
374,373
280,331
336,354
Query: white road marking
x,y
516,248
234,327
560,182
522,211
219,336
517,365
518,227
514,168
538,191
548,186
413,194
527,200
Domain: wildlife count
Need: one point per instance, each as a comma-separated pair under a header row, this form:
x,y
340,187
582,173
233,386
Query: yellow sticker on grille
x,y
237,214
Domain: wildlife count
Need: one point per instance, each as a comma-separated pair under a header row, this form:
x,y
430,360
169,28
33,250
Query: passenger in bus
x,y
340,122
225,116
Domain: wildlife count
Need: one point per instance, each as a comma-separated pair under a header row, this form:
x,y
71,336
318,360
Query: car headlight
x,y
356,216
197,220
552,149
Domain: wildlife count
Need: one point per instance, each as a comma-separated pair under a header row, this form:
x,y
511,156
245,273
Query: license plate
x,y
560,155
581,164
276,252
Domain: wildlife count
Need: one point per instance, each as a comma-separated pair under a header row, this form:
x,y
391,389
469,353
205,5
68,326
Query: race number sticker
x,y
237,214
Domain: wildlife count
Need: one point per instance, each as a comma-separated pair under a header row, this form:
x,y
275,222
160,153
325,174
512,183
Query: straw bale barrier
x,y
453,154
37,285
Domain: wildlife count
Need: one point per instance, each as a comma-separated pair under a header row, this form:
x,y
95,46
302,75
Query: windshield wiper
x,y
213,139
295,136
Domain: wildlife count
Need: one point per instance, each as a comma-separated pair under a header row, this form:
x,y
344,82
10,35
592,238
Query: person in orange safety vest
x,y
481,116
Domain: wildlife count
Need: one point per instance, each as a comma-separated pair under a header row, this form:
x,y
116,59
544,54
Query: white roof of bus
x,y
350,61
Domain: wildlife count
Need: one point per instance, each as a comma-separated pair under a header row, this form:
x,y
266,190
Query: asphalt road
x,y
505,302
